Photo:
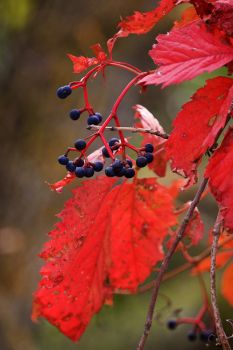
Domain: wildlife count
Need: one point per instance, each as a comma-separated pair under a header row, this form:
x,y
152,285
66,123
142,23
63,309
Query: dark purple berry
x,y
98,166
207,335
70,166
149,157
117,165
113,141
171,324
99,116
80,144
129,173
63,160
79,162
80,172
119,172
149,148
89,172
141,161
192,336
109,171
75,114
64,91
105,152
129,162
93,120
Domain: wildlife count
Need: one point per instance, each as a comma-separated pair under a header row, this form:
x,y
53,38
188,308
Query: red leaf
x,y
141,22
198,124
219,172
148,121
187,52
227,283
82,63
105,240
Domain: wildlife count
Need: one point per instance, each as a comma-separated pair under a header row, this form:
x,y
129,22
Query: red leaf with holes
x,y
108,238
198,124
187,52
148,121
141,22
219,172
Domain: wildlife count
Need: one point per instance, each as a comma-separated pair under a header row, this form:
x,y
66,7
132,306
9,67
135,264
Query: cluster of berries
x,y
118,167
206,335
79,167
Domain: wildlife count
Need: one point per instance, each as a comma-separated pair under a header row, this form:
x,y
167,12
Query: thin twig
x,y
222,338
131,129
166,262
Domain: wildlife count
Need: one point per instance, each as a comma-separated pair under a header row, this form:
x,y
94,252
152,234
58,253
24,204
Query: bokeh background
x,y
35,128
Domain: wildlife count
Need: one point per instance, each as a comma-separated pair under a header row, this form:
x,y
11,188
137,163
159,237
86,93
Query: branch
x,y
222,338
165,263
131,129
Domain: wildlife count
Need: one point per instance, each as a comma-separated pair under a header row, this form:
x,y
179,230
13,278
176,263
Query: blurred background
x,y
35,128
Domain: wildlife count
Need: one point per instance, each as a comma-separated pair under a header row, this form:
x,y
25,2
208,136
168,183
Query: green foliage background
x,y
35,128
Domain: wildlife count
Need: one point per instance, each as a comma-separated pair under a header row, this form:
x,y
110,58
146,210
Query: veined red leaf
x,y
108,238
141,22
148,121
198,124
219,172
187,52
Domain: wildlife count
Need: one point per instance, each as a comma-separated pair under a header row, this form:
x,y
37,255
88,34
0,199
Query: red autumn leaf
x,y
219,172
141,22
227,283
148,121
82,63
106,239
198,124
187,52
